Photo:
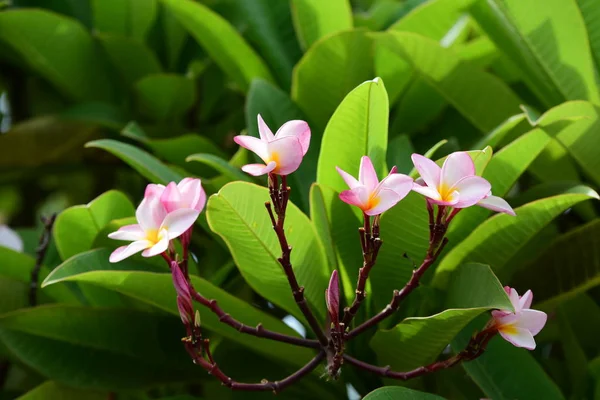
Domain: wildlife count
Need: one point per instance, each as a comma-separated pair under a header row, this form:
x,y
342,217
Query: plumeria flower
x,y
10,239
186,194
154,230
519,327
282,153
370,195
455,184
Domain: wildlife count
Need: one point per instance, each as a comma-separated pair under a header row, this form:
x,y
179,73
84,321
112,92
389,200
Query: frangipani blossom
x,y
370,195
520,327
154,230
282,153
186,194
455,184
10,239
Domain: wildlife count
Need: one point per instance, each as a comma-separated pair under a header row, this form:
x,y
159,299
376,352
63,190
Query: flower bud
x,y
332,298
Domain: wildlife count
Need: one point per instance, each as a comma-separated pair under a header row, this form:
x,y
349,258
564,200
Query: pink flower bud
x,y
332,298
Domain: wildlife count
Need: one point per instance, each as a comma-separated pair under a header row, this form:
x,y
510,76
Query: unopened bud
x,y
332,298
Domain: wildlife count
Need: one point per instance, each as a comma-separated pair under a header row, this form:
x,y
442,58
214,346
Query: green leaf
x,y
399,152
418,341
135,279
496,240
315,19
57,48
357,128
53,390
132,18
513,127
221,41
148,166
164,97
576,360
103,114
399,393
549,44
591,17
237,214
97,347
76,228
220,165
571,265
328,72
480,97
276,108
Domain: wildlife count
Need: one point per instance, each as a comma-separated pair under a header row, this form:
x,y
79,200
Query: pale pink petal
x,y
10,239
263,130
287,153
128,232
253,144
526,299
504,318
383,201
179,221
150,213
399,183
160,247
457,166
520,337
429,170
358,196
171,197
181,284
153,189
259,169
427,191
471,190
514,299
532,320
127,251
367,175
496,203
298,129
351,181
192,193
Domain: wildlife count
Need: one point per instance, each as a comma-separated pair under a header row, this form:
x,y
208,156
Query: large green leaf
x,y
164,97
328,72
496,240
480,97
569,266
53,390
76,228
134,279
591,17
220,165
132,18
237,213
221,41
57,48
148,166
549,44
97,347
399,393
357,128
315,19
418,341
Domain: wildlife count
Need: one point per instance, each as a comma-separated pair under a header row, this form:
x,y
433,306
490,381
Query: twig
x,y
40,254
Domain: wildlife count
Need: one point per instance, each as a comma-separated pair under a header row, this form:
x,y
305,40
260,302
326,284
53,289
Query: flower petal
x,y
266,135
179,221
519,337
399,183
427,191
367,175
514,299
192,193
160,247
457,166
298,129
253,144
287,153
181,285
384,200
154,189
171,197
496,203
526,299
129,232
351,181
150,213
471,190
358,196
429,170
127,251
259,169
10,239
532,320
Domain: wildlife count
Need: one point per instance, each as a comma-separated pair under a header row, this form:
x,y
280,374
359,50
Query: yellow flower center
x,y
153,236
372,202
445,193
509,329
274,156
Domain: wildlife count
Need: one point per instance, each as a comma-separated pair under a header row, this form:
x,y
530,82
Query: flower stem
x,y
40,252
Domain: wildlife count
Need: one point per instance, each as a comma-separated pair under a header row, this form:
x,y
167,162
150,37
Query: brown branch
x,y
40,255
474,349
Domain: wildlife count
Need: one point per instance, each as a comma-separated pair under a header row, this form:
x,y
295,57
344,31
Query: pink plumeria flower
x,y
154,230
455,184
186,194
370,195
282,153
519,327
